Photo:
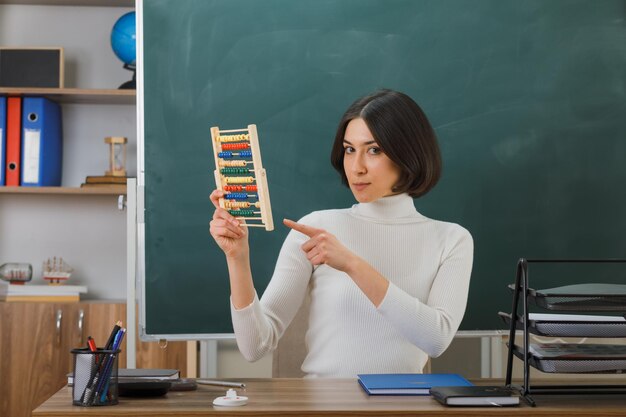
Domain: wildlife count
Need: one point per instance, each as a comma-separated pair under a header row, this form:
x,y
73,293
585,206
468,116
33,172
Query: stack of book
x,y
408,384
53,293
448,389
108,181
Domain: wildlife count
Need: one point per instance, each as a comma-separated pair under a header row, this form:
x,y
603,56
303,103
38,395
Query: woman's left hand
x,y
323,247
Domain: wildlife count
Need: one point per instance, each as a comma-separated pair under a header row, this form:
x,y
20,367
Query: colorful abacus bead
x,y
238,180
235,170
235,146
234,138
241,204
229,154
233,163
236,196
241,213
237,204
235,188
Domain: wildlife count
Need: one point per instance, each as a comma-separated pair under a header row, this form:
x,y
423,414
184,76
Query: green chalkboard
x,y
528,99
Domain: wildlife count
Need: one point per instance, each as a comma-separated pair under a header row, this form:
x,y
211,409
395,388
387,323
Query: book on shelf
x,y
118,188
33,292
105,179
481,396
408,384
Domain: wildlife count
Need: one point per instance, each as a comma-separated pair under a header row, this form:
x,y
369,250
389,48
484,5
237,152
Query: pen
x,y
116,329
95,382
116,344
220,383
91,343
109,343
107,346
107,363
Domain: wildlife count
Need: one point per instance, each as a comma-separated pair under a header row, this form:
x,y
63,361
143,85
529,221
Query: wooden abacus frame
x,y
260,177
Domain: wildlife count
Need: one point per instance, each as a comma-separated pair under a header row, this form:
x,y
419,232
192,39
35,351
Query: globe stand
x,y
131,84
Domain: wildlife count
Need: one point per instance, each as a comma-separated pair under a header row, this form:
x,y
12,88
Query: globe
x,y
123,39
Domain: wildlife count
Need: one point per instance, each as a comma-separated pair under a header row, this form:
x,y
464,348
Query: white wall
x,y
231,364
87,231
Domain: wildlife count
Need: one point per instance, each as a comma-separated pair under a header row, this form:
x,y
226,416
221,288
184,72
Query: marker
x,y
91,343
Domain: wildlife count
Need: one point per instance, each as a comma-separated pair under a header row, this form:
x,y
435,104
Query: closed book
x,y
140,375
464,396
105,179
41,298
121,187
408,384
147,374
32,292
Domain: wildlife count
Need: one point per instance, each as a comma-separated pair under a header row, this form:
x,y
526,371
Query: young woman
x,y
388,285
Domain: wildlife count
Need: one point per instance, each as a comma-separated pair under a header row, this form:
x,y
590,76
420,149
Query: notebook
x,y
408,384
496,396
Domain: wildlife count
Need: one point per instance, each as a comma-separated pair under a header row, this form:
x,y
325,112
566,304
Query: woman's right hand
x,y
228,233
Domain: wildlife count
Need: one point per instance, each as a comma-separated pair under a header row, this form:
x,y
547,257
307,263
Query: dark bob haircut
x,y
403,132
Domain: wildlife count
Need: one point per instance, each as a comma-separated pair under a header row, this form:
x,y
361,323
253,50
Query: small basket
x,y
95,377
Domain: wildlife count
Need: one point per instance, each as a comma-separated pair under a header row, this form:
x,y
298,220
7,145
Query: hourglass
x,y
117,155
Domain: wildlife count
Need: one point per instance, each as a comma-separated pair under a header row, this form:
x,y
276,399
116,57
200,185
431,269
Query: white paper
x,y
32,146
572,317
496,401
578,350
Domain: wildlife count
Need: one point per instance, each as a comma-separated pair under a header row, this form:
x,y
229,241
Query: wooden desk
x,y
322,397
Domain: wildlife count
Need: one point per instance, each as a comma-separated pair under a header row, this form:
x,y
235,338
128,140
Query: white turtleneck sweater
x,y
428,265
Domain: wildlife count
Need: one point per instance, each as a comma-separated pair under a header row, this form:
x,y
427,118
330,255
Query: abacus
x,y
240,173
